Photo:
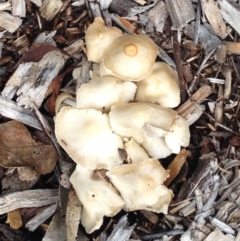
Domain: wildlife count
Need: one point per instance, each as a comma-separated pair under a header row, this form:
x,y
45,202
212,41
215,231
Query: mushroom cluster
x,y
121,123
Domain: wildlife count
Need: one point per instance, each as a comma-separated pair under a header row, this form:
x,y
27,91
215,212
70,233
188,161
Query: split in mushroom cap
x,y
140,185
98,38
98,198
130,57
161,87
128,119
85,134
135,153
102,92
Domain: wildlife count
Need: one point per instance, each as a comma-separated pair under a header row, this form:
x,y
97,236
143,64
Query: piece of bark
x,y
212,12
122,231
218,112
175,166
28,199
158,15
228,82
230,14
129,8
217,235
14,219
40,217
11,182
221,53
34,90
9,22
198,175
19,8
208,40
181,12
73,216
233,47
188,107
12,111
50,8
37,2
5,6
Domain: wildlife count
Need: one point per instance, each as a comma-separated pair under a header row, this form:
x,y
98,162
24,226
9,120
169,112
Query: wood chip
x,y
40,217
214,17
158,15
217,235
233,47
73,216
27,199
14,219
50,8
208,40
9,22
19,8
181,12
230,14
222,226
188,107
176,165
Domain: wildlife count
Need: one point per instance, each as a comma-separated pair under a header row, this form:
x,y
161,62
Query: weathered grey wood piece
x,y
181,12
208,40
11,110
40,217
28,199
230,14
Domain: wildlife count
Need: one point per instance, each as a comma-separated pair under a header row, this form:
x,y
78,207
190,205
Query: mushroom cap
x,y
129,119
98,38
179,135
131,57
85,134
140,185
161,87
135,152
98,198
102,93
64,99
157,147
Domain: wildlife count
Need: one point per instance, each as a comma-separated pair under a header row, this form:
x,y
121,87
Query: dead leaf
x,y
36,53
176,165
18,149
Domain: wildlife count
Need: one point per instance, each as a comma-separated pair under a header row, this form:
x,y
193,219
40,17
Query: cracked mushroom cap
x,y
86,135
141,185
98,198
179,135
102,93
161,87
135,153
98,38
130,57
157,147
129,119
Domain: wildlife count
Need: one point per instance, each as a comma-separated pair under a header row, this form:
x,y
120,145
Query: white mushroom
x,y
130,57
98,198
129,119
85,134
157,147
179,135
64,99
161,87
98,38
135,153
141,185
102,93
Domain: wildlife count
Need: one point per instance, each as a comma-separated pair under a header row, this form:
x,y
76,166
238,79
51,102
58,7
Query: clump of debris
x,y
119,120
